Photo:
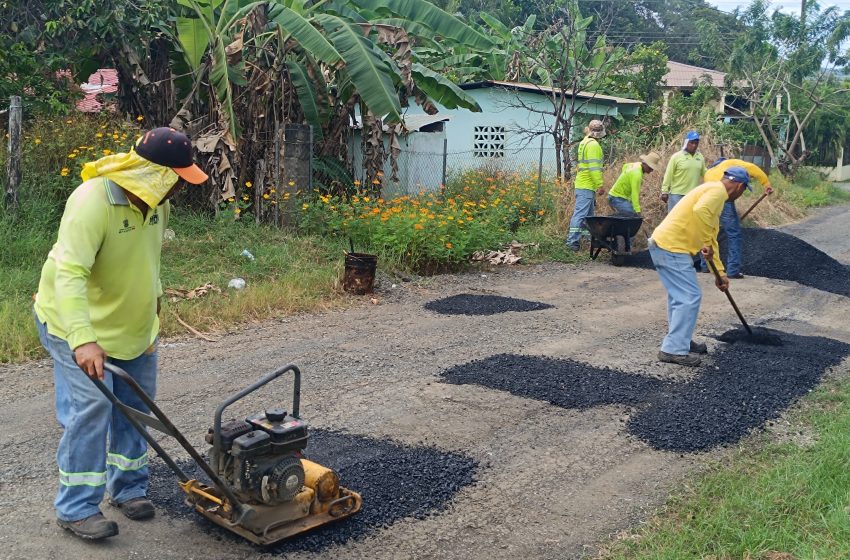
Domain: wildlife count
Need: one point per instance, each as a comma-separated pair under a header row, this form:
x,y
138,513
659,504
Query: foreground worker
x,y
98,299
685,171
730,222
624,196
691,227
588,181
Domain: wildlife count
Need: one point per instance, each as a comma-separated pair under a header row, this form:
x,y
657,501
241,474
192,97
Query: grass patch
x,y
779,498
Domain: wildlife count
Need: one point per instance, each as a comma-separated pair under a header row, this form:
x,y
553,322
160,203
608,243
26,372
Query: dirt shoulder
x,y
551,482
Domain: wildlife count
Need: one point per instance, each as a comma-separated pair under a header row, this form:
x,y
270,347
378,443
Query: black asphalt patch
x,y
561,382
773,254
745,386
738,388
473,304
759,335
396,481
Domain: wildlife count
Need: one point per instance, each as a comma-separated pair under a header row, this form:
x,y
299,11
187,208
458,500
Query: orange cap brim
x,y
192,174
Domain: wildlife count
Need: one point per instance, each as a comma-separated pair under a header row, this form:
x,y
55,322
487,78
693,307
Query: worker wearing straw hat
x,y
588,181
624,197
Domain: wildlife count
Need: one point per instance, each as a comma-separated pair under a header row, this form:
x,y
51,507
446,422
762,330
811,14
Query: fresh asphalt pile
x,y
739,388
759,335
745,386
474,304
558,381
773,254
396,481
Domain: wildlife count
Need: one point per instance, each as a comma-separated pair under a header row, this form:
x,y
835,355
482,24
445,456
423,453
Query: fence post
x,y
445,159
13,163
540,172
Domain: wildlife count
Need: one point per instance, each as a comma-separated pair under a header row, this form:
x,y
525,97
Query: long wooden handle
x,y
747,213
728,295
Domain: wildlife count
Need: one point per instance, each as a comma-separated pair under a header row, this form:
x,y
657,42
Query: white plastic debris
x,y
169,235
247,254
236,283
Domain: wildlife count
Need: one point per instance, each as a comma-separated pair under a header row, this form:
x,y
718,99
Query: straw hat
x,y
652,159
595,129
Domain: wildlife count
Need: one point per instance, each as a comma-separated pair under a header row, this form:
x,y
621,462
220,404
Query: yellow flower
x,y
265,196
376,182
249,184
355,199
356,183
246,198
231,199
107,152
38,141
365,199
115,137
541,212
69,121
419,226
449,245
237,210
292,183
274,201
72,156
99,135
65,171
140,118
450,217
285,196
305,206
272,191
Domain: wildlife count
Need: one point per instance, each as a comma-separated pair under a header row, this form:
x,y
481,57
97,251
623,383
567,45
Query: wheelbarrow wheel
x,y
618,257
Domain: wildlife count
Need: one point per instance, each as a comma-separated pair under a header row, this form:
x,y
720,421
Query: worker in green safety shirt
x,y
624,197
588,181
685,171
98,299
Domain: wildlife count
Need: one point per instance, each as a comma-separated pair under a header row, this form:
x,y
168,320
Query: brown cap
x,y
652,159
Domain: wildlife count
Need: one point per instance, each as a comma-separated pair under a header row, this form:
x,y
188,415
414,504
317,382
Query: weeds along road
x,y
550,482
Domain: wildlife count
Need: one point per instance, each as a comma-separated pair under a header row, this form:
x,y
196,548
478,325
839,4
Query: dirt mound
x,y
473,304
396,481
738,388
773,254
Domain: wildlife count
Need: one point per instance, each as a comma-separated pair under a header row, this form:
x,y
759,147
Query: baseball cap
x,y
692,135
167,147
739,175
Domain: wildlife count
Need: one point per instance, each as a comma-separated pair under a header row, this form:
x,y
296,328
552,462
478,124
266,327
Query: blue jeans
x,y
621,205
673,200
585,204
683,297
86,469
730,224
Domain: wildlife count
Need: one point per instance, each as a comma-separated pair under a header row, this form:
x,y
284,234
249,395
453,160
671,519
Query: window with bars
x,y
489,142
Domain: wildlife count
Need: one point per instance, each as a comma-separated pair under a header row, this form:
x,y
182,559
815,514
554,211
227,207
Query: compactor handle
x,y
296,398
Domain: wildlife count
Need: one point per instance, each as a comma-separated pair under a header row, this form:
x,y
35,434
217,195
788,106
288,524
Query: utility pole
x,y
13,163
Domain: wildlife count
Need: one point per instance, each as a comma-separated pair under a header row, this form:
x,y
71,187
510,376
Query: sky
x,y
785,5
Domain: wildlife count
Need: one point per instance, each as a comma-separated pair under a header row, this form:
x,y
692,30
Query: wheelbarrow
x,y
613,233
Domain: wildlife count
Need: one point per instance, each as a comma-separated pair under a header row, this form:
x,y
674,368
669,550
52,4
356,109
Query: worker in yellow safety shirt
x,y
588,181
98,299
730,223
624,196
685,171
691,228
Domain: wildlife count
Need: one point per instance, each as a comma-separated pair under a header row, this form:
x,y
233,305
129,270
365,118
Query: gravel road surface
x,y
506,475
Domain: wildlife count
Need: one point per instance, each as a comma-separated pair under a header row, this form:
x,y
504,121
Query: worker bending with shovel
x,y
98,299
691,227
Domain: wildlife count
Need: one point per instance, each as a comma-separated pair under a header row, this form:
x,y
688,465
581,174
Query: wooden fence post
x,y
13,161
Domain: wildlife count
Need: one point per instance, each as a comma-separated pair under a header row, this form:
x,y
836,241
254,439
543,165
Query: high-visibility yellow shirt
x,y
694,222
100,282
589,169
716,172
628,184
684,173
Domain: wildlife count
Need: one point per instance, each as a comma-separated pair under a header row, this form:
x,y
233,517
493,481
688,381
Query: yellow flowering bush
x,y
432,229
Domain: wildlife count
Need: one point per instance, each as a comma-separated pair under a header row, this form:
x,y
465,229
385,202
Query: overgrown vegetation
x,y
772,501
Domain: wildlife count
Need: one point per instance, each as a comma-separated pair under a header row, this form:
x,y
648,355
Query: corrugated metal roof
x,y
415,122
684,75
534,88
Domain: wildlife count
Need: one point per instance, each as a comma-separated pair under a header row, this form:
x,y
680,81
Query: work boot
x,y
698,348
92,528
136,509
686,360
737,276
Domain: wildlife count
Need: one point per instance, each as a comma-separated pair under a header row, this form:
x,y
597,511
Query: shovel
x,y
732,301
747,213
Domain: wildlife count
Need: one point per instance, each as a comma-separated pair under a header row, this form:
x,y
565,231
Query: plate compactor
x,y
263,488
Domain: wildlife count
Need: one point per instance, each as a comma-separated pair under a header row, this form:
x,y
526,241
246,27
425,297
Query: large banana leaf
x,y
372,76
494,24
300,29
193,38
429,15
220,80
442,90
307,96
